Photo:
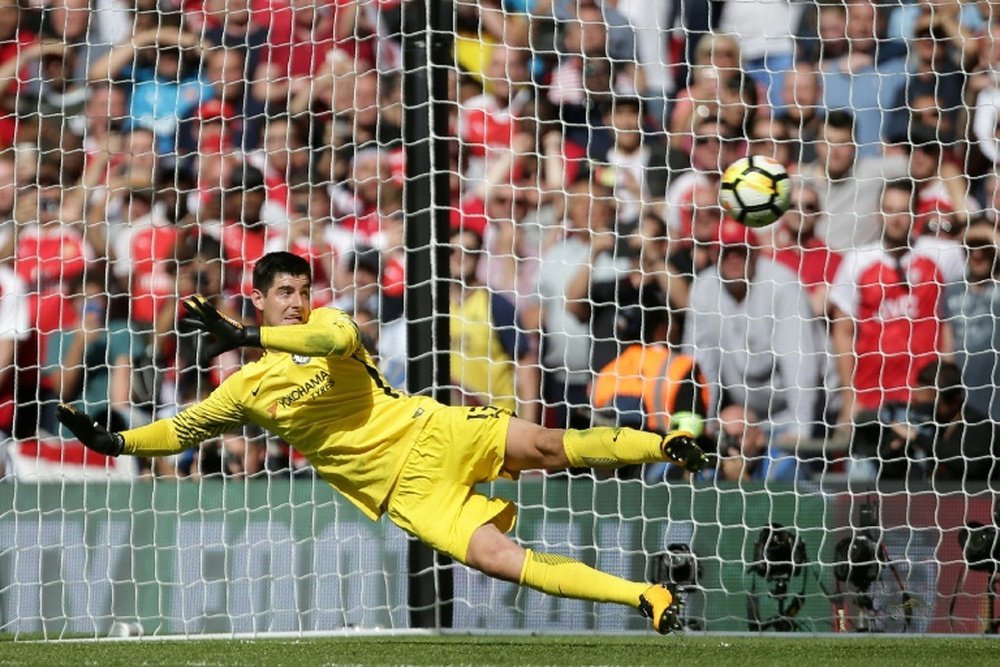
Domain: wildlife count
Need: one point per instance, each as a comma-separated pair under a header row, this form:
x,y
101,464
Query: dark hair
x,y
195,245
628,102
661,224
273,263
840,119
945,377
364,258
924,137
245,178
900,184
459,231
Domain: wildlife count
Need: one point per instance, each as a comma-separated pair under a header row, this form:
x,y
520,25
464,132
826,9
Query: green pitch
x,y
501,650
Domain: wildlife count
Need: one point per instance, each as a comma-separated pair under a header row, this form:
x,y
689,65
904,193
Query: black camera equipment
x,y
679,565
779,555
858,562
980,546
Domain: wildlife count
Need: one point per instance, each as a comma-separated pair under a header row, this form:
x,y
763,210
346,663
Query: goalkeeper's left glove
x,y
229,334
89,432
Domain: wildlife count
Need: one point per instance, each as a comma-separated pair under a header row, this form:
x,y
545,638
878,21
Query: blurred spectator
x,y
746,453
769,137
712,148
933,69
489,121
717,64
103,114
615,308
986,116
636,161
8,198
752,331
284,159
850,185
512,250
651,385
309,228
797,247
960,22
649,19
566,339
764,29
887,298
14,329
702,251
50,93
242,231
939,436
89,364
800,111
231,111
50,254
358,205
141,246
943,204
970,310
15,39
301,34
358,282
494,361
138,152
591,67
229,24
164,87
855,76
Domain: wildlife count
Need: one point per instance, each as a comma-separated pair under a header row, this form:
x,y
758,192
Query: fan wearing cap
x,y
753,335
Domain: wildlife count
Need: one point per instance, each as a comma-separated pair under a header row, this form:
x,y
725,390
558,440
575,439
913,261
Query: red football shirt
x,y
896,313
814,263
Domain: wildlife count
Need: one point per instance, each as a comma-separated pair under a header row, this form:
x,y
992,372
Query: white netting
x,y
843,361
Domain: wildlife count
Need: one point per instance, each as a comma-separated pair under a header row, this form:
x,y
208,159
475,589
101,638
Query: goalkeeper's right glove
x,y
89,432
229,334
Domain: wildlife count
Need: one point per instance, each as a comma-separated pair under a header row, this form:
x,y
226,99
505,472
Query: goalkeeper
x,y
409,457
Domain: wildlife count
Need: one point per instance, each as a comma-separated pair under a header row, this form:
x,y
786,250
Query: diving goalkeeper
x,y
406,456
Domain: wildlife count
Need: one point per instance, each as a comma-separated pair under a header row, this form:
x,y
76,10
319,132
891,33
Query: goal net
x,y
840,364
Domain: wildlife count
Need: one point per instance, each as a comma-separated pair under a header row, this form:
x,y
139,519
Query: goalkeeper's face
x,y
286,301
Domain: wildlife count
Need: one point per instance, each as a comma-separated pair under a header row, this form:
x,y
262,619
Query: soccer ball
x,y
755,190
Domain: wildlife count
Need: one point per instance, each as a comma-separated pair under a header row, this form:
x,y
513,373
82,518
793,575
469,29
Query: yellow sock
x,y
568,578
606,447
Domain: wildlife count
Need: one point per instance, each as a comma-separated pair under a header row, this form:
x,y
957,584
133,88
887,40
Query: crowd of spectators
x,y
155,148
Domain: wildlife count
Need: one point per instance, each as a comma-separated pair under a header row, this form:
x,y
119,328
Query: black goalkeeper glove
x,y
229,334
89,432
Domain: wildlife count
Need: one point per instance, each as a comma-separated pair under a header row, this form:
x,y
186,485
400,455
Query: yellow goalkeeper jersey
x,y
318,389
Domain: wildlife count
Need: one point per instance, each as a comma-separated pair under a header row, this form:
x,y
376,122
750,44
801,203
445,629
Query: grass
x,y
504,650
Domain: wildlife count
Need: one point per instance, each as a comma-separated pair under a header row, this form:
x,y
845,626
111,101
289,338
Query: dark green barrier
x,y
284,555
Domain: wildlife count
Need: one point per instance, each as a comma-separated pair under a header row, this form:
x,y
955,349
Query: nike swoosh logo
x,y
257,389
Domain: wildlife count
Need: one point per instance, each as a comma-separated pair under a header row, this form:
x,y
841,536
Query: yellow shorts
x,y
434,498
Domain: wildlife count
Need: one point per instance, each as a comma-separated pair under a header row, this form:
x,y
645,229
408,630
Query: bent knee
x,y
494,554
530,446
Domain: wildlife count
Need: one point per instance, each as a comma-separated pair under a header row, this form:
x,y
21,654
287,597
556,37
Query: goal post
x,y
518,202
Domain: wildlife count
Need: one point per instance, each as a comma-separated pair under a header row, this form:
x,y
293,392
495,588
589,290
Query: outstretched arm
x,y
217,414
328,333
